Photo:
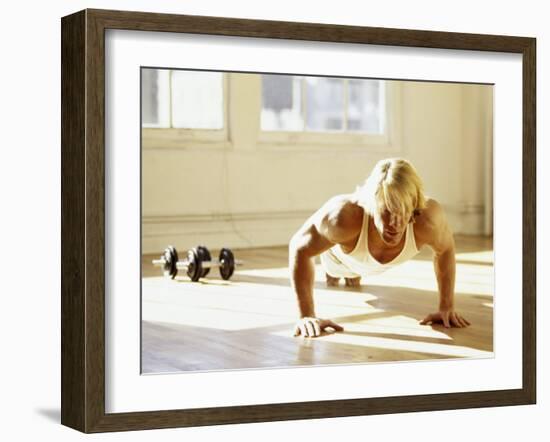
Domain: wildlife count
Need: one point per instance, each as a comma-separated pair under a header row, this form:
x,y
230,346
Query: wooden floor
x,y
247,322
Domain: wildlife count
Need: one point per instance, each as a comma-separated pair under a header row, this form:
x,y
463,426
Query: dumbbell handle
x,y
205,264
217,263
180,264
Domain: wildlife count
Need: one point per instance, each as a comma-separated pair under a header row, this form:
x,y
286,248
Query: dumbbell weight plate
x,y
204,255
170,260
194,267
227,263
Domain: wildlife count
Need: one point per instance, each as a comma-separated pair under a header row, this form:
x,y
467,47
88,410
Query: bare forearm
x,y
304,246
445,269
442,242
302,271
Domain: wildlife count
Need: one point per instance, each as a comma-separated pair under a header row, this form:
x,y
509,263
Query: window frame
x,y
390,141
156,137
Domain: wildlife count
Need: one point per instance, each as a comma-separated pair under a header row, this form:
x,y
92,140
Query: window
x,y
281,103
326,110
186,104
155,98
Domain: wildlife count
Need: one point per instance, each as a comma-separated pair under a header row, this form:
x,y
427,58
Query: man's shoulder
x,y
431,213
342,218
430,219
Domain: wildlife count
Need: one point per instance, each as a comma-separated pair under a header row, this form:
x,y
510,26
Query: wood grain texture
x,y
95,222
83,217
529,221
247,322
307,31
73,350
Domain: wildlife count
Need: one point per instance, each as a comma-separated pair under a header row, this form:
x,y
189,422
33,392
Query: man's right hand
x,y
309,327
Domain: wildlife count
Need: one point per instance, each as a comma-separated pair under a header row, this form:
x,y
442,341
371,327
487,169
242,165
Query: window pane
x,y
366,106
155,99
197,100
281,103
325,104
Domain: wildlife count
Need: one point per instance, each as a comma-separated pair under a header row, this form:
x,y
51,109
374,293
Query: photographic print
x,y
294,220
249,204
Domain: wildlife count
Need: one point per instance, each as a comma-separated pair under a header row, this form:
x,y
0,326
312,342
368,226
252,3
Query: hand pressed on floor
x,y
449,318
310,327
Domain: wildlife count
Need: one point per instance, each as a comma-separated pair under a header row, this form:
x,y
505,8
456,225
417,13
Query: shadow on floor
x,y
51,414
172,348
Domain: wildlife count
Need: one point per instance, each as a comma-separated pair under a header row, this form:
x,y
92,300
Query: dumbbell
x,y
198,263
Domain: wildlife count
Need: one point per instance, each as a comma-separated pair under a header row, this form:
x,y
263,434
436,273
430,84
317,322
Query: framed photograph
x,y
269,220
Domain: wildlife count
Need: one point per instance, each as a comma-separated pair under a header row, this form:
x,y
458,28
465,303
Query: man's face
x,y
391,226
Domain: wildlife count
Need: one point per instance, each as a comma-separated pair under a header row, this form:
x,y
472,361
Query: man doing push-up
x,y
384,223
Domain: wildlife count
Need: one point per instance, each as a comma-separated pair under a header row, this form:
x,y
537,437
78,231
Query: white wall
x,y
255,194
29,179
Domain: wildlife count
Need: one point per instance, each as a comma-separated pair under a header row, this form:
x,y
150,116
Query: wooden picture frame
x,y
83,219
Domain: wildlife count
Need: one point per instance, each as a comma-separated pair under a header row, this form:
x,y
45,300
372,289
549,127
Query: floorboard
x,y
247,322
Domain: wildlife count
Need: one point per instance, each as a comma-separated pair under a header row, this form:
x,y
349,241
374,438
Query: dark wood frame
x,y
83,216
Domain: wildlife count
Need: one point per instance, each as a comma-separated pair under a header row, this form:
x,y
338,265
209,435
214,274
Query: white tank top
x,y
361,262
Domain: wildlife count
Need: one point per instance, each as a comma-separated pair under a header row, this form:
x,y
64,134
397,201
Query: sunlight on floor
x,y
246,306
472,279
249,320
485,256
257,304
410,346
414,338
397,325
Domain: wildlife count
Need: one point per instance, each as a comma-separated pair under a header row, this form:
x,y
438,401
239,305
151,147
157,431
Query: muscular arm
x,y
331,224
440,238
444,262
304,246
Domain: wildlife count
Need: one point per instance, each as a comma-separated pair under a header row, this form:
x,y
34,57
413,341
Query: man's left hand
x,y
449,318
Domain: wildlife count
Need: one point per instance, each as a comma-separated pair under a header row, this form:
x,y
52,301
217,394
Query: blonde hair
x,y
393,184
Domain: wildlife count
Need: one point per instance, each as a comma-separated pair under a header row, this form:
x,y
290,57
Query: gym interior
x,y
239,161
